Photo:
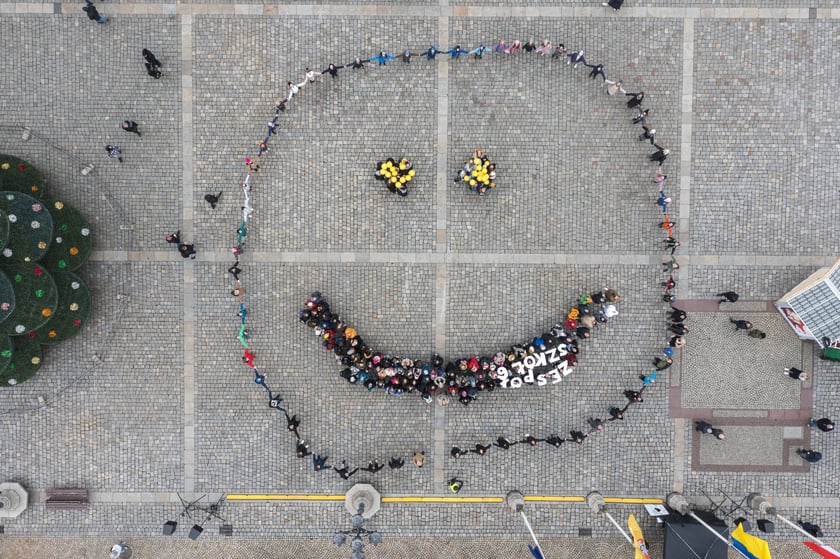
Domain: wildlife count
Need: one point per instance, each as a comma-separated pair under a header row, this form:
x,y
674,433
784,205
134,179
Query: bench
x,y
66,499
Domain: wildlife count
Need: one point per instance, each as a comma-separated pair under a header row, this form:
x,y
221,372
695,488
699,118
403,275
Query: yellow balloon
x,y
411,173
472,183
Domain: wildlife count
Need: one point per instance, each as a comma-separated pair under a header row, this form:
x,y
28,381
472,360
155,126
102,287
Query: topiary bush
x,y
42,244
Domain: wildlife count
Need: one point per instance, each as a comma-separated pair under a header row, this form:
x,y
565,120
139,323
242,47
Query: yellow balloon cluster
x,y
396,174
480,173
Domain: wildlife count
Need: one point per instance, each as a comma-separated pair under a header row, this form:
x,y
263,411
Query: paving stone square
x,y
723,368
153,400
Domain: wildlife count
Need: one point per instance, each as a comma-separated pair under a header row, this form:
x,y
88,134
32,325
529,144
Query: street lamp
x,y
363,500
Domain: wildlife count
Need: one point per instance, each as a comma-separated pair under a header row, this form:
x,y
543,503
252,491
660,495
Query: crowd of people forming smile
x,y
465,379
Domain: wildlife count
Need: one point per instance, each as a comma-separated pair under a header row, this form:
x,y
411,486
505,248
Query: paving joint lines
x,y
524,11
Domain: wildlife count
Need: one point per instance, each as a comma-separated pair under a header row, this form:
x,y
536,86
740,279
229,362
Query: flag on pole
x,y
535,551
639,544
824,550
750,546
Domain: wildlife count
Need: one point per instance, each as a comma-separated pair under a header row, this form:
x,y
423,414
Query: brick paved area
x,y
152,399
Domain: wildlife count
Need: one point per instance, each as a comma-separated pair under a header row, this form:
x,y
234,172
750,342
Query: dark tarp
x,y
685,538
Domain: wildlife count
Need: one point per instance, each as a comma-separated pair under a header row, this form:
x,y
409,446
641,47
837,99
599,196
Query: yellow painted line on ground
x,y
419,499
555,498
442,499
274,497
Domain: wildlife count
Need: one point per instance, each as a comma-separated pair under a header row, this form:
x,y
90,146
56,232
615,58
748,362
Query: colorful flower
x,y
73,251
77,323
35,224
85,232
36,360
22,167
42,245
4,166
12,218
58,205
36,207
51,334
74,306
75,285
38,271
20,328
46,313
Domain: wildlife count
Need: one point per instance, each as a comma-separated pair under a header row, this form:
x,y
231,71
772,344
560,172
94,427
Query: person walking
x,y
648,134
614,86
671,243
577,436
756,333
597,70
292,423
614,4
343,471
662,364
635,99
93,14
130,126
174,238
741,324
150,58
187,251
824,424
114,152
455,485
480,449
395,463
555,441
212,199
616,413
810,456
373,467
504,443
796,374
660,155
576,58
703,427
641,118
727,296
318,462
419,459
456,452
595,424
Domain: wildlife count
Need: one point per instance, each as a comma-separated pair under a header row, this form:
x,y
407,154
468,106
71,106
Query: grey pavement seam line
x,y
686,127
189,328
441,239
427,11
735,259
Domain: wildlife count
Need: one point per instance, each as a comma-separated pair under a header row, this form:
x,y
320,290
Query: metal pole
x,y
715,532
531,531
620,529
797,527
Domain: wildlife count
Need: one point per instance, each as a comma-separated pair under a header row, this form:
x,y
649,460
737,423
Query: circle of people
x,y
478,172
396,175
463,378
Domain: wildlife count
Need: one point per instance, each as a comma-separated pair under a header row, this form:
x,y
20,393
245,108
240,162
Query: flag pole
x,y
597,504
531,531
677,502
799,528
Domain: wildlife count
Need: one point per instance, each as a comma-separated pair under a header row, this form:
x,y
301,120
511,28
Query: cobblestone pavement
x,y
152,398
